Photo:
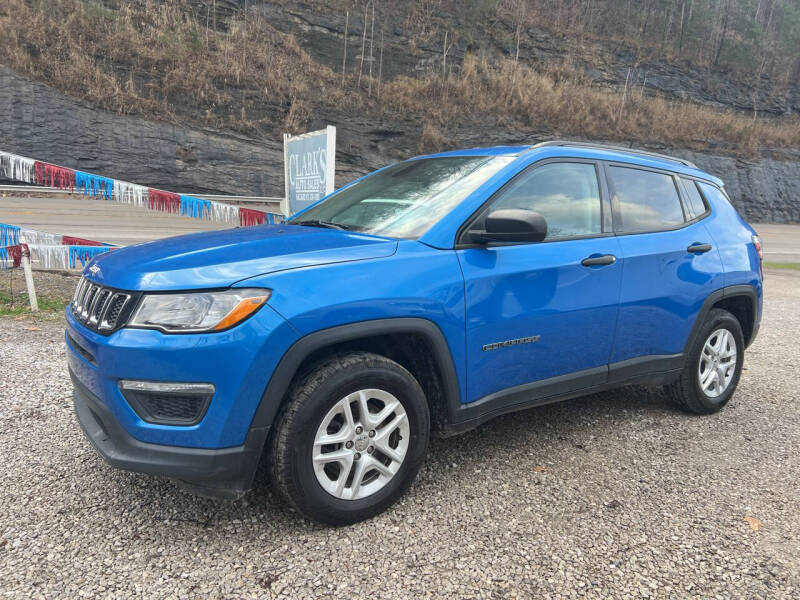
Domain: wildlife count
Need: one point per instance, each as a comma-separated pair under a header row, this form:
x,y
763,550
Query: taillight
x,y
757,244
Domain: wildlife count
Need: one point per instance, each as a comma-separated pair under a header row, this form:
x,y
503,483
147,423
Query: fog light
x,y
166,402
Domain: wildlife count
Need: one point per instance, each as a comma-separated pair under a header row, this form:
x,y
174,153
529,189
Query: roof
x,y
486,151
590,150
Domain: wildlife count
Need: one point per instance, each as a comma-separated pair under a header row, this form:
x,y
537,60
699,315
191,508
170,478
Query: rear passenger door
x,y
669,266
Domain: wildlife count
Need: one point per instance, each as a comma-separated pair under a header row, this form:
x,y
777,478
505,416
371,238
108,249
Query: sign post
x,y
309,163
25,259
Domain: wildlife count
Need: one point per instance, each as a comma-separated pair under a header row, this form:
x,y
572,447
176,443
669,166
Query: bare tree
x,y
244,37
624,95
667,25
208,16
724,32
344,55
522,10
363,43
380,67
682,27
371,43
445,49
647,10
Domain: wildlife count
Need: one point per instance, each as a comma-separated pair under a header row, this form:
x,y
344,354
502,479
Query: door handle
x,y
699,248
598,260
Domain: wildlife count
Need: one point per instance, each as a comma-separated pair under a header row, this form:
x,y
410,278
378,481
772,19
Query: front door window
x,y
567,195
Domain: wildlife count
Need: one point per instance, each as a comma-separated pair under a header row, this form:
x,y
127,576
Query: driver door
x,y
541,316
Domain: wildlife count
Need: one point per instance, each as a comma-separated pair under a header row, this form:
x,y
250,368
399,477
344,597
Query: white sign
x,y
309,166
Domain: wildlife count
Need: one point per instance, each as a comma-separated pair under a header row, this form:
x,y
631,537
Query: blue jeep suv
x,y
428,296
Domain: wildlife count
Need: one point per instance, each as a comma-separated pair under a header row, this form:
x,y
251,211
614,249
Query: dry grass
x,y
560,101
431,139
155,59
159,59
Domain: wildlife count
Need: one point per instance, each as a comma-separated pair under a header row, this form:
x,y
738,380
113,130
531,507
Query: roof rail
x,y
634,151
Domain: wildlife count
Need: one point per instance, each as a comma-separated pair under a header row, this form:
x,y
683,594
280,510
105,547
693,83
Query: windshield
x,y
406,199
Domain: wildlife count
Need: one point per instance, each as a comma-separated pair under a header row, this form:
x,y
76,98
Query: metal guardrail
x,y
242,199
218,198
30,188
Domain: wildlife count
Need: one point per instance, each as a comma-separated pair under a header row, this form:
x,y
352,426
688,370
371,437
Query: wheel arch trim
x,y
275,392
733,291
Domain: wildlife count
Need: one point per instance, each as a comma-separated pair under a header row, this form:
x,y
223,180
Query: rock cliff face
x,y
764,191
605,62
39,122
42,123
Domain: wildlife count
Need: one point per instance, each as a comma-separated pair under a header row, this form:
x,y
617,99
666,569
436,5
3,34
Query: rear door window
x,y
644,200
694,201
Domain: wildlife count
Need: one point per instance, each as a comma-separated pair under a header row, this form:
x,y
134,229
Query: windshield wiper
x,y
318,223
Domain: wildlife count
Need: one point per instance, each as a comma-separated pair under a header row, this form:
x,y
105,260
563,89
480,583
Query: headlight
x,y
198,311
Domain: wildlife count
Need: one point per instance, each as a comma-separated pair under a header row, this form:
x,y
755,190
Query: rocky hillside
x,y
193,96
607,62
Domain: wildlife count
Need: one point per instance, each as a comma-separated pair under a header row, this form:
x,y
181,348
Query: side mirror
x,y
511,225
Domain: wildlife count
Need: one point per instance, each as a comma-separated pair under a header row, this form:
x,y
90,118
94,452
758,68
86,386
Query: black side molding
x,y
526,395
643,370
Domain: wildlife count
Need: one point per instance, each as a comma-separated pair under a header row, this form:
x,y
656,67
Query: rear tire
x,y
713,365
351,438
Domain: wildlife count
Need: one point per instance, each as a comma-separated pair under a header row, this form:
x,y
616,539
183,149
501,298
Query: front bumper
x,y
238,363
220,473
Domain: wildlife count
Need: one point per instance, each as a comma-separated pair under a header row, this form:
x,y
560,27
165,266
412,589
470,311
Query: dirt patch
x,y
53,291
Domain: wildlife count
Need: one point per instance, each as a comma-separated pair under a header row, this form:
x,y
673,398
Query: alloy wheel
x,y
360,444
717,363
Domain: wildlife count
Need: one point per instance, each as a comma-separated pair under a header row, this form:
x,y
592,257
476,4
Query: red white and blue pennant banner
x,y
27,170
47,250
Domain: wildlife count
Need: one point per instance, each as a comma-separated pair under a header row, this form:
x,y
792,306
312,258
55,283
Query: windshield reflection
x,y
406,199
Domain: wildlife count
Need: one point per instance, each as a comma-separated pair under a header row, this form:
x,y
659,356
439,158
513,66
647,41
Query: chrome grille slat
x,y
79,295
84,291
100,299
84,296
113,310
93,305
87,301
105,306
98,307
78,289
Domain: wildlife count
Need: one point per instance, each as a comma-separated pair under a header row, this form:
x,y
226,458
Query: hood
x,y
215,259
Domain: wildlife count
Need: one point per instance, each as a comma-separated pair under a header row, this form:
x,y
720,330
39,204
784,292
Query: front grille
x,y
100,308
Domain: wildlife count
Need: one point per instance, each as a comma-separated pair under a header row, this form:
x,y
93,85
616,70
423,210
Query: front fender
x,y
289,365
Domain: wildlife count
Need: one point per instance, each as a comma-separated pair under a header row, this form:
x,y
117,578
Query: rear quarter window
x,y
644,200
694,201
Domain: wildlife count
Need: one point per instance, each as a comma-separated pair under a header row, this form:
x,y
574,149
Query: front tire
x,y
351,438
713,366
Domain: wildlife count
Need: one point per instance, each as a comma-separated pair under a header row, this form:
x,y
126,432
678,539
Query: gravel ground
x,y
615,495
